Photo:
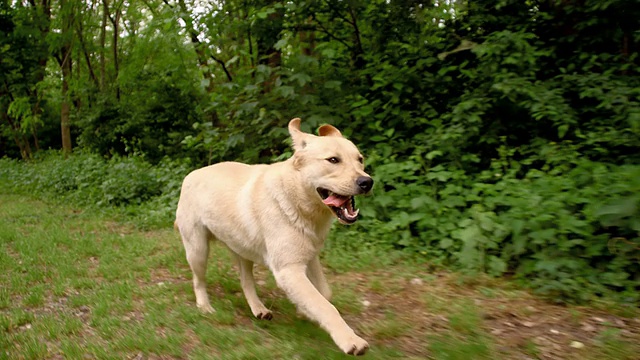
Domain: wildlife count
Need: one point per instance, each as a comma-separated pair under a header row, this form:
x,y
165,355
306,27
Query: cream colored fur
x,y
274,215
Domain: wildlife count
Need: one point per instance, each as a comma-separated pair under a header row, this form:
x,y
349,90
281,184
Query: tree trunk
x,y
267,35
21,141
42,65
103,40
308,38
65,121
66,66
87,56
115,23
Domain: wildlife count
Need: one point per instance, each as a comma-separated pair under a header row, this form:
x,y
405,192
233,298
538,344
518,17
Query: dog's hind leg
x,y
249,288
316,275
196,245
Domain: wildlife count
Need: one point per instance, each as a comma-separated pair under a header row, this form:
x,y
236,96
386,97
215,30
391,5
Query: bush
x,y
570,229
85,179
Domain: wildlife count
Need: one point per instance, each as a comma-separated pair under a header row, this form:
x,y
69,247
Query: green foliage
x,y
149,193
504,136
570,233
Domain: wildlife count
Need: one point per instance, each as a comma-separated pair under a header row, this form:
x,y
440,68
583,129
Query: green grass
x,y
75,284
467,339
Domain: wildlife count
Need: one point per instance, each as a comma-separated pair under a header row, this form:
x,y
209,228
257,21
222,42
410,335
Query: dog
x,y
277,215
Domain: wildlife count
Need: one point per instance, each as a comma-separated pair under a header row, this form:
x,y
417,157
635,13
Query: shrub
x,y
89,180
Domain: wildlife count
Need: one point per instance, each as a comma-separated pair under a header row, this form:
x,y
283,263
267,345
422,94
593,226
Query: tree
x,y
24,53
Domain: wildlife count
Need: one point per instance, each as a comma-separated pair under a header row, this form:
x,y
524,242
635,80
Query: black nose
x,y
365,183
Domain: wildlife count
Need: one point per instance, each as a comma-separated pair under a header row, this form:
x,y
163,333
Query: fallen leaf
x,y
588,327
577,345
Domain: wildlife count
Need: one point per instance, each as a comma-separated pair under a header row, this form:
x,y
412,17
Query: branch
x,y
86,55
167,3
153,10
324,30
339,14
224,67
58,58
356,31
196,41
6,86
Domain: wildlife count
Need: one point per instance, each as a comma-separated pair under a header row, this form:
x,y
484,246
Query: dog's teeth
x,y
355,213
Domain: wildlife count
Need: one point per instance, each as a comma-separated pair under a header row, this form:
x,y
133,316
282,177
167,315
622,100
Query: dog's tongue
x,y
335,200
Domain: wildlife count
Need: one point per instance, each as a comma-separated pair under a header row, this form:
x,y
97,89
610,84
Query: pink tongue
x,y
334,200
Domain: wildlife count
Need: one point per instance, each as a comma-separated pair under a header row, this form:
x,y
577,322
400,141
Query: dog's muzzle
x,y
365,183
344,206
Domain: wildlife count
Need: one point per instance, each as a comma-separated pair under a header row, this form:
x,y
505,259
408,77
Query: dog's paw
x,y
354,345
264,315
261,312
206,308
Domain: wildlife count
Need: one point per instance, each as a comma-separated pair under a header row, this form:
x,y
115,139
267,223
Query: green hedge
x,y
571,231
148,193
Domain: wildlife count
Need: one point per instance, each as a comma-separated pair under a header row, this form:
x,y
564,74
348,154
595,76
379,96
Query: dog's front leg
x,y
295,283
316,275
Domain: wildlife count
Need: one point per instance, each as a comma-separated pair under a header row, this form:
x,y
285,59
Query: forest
x,y
503,135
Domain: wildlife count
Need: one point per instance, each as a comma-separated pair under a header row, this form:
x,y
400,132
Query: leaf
x,y
432,154
420,201
464,45
614,213
286,91
235,139
328,53
519,240
562,130
232,60
301,78
332,84
280,44
446,243
359,103
496,266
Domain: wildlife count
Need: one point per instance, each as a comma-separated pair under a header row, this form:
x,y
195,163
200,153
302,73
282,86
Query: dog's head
x,y
334,167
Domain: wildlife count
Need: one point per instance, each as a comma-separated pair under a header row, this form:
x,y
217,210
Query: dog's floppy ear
x,y
297,135
328,130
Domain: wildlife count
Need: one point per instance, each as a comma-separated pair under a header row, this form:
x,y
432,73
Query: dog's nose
x,y
365,183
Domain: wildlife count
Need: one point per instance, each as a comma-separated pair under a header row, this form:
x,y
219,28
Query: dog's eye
x,y
361,160
333,160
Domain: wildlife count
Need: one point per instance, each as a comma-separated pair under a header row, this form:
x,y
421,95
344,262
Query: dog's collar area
x,y
342,205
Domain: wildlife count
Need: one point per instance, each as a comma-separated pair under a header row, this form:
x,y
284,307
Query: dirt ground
x,y
520,325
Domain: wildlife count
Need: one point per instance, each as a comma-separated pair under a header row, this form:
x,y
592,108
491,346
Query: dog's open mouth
x,y
342,205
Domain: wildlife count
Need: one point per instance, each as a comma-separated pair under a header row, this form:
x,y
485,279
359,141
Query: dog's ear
x,y
297,135
328,130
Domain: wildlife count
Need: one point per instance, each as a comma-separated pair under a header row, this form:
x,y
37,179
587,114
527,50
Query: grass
x,y
75,284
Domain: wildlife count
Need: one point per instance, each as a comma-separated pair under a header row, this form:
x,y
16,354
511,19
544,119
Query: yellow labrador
x,y
277,215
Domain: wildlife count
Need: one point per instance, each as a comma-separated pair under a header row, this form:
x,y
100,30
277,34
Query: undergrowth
x,y
571,234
